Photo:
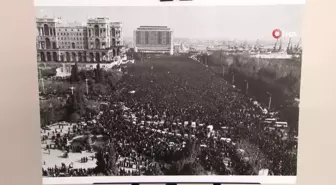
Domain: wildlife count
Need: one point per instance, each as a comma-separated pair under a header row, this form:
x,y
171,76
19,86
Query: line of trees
x,y
280,77
63,104
283,75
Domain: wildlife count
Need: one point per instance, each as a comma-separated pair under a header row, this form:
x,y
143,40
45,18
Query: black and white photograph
x,y
169,90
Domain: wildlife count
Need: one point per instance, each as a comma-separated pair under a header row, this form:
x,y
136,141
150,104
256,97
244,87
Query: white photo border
x,y
158,3
172,179
168,179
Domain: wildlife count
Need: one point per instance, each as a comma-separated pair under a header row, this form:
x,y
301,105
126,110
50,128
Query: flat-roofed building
x,y
154,39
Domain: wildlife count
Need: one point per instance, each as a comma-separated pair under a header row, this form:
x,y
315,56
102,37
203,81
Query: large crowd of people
x,y
162,106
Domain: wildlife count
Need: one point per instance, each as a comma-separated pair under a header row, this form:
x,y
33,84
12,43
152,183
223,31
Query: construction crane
x,y
244,44
298,45
289,46
256,45
275,45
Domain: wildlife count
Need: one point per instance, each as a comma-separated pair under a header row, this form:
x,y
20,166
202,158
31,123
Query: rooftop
x,y
153,28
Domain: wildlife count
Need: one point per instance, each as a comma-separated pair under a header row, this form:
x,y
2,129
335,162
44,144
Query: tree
x,y
51,111
186,167
47,72
99,74
101,163
106,161
153,169
76,104
191,150
193,168
188,164
74,73
74,117
100,89
45,117
113,77
83,75
111,161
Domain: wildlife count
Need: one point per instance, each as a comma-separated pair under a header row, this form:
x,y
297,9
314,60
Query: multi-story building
x,y
98,40
153,39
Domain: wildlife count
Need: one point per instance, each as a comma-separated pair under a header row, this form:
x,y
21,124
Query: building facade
x,y
98,40
153,39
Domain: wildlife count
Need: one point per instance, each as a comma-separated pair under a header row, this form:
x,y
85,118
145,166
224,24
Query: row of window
x,y
71,43
78,34
70,38
69,29
69,47
48,56
82,30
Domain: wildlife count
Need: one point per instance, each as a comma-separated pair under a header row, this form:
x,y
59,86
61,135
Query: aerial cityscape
x,y
134,95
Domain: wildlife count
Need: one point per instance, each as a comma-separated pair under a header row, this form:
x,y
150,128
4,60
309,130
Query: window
x,y
96,31
65,29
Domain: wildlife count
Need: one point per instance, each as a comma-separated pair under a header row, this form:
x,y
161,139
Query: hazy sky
x,y
221,22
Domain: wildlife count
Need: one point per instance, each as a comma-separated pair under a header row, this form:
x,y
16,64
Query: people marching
x,y
160,108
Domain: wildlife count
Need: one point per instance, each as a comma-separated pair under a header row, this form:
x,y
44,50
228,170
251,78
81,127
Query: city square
x,y
156,104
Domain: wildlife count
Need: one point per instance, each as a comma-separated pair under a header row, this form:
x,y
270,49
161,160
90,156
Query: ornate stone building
x,y
99,40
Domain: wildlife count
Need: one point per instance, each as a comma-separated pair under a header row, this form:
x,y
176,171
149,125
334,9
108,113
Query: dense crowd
x,y
162,107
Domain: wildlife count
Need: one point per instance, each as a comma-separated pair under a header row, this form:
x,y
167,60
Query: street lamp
x,y
87,87
42,83
72,88
269,100
247,86
233,78
41,78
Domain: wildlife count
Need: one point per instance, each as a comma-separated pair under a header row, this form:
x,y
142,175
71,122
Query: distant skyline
x,y
221,22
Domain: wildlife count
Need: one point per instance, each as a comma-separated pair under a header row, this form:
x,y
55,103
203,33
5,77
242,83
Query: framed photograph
x,y
159,92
